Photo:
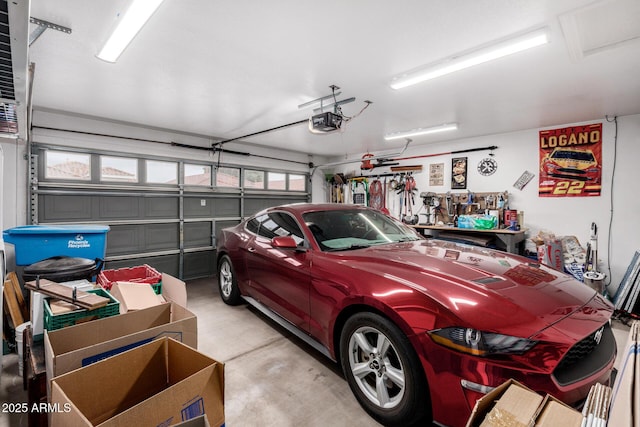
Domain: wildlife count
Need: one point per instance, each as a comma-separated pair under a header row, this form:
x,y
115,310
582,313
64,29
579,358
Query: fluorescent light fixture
x,y
421,131
494,50
128,26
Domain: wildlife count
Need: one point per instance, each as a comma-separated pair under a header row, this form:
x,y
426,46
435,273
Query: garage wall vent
x,y
8,123
14,22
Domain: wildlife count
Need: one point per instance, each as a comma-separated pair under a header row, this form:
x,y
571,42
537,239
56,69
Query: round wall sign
x,y
487,166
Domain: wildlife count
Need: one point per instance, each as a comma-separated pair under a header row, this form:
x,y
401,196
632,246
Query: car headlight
x,y
479,343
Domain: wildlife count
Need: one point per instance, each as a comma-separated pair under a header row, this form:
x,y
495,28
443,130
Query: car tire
x,y
227,282
374,352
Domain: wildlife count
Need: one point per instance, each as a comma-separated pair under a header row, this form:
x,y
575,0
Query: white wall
x,y
14,183
571,216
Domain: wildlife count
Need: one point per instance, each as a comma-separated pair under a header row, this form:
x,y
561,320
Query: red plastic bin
x,y
139,274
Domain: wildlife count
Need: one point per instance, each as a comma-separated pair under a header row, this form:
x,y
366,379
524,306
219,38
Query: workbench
x,y
506,239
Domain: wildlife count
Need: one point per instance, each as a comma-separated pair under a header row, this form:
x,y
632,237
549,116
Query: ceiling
x,y
226,69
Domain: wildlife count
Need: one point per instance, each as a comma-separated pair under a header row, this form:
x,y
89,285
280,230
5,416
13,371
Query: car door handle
x,y
251,249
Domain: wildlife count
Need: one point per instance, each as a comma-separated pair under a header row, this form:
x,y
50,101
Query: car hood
x,y
488,289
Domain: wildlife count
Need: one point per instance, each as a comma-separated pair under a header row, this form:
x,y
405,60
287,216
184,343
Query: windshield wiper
x,y
350,247
408,239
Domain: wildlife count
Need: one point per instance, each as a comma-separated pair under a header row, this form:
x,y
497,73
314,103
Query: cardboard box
x,y
80,345
553,413
159,383
514,404
135,296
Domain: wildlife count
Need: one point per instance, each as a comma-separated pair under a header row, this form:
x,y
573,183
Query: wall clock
x,y
487,166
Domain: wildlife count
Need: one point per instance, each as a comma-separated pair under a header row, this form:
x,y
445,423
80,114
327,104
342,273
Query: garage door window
x,y
253,179
118,169
66,165
297,182
197,175
228,177
161,172
276,181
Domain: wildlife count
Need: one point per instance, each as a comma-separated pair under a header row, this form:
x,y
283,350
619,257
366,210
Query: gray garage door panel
x,y
124,239
119,207
198,207
227,207
197,234
160,237
199,264
55,208
140,238
206,207
161,207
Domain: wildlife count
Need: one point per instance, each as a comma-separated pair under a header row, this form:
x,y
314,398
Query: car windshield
x,y
339,230
585,156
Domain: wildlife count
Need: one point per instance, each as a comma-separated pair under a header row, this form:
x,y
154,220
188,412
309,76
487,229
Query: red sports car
x,y
421,327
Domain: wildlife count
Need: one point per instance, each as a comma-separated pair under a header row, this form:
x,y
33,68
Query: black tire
x,y
405,399
227,282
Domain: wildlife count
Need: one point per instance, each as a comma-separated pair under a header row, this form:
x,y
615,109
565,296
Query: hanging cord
x,y
338,108
613,175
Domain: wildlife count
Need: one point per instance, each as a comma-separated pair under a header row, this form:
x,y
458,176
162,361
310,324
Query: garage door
x,y
164,212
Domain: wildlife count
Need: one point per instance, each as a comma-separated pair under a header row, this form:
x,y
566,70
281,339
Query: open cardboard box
x,y
553,413
136,296
513,403
75,346
163,382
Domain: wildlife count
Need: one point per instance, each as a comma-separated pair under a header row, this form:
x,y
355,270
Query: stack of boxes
x,y
133,362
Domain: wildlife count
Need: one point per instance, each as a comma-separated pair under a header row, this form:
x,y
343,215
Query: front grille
x,y
586,357
572,170
580,350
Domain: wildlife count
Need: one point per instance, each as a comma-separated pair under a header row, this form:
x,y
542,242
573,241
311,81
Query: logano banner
x,y
571,161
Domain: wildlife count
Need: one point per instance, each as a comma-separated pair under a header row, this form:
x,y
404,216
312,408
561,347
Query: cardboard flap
x,y
554,413
174,289
134,296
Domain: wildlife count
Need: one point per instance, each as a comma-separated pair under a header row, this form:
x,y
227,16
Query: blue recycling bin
x,y
34,243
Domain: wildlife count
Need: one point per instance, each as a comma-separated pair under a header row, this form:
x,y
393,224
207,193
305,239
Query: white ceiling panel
x,y
234,68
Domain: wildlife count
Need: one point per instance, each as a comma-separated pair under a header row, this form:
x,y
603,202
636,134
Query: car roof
x,y
302,208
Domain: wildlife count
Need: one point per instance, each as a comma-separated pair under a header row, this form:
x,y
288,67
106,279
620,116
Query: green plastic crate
x,y
62,320
157,288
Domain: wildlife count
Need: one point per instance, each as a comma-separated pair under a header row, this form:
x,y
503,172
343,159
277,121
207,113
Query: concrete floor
x,y
271,377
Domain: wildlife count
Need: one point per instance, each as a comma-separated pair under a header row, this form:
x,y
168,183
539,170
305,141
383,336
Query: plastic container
x,y
62,320
140,274
34,243
63,269
478,222
19,339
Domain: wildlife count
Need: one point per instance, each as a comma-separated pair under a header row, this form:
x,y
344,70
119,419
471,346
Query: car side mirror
x,y
284,242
